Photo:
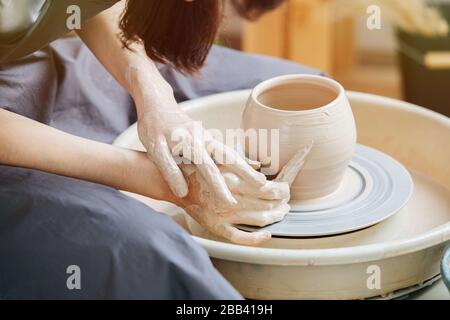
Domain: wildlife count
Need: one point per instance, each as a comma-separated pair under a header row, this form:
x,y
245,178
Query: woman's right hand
x,y
258,207
169,132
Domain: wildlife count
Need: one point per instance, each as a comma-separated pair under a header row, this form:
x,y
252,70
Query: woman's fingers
x,y
222,228
250,203
291,170
211,174
275,191
162,156
270,191
235,163
256,165
260,218
242,237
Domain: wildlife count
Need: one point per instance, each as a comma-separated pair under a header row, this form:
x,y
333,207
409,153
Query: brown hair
x,y
180,33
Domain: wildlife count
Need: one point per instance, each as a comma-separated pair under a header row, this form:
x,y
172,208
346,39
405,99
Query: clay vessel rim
x,y
303,78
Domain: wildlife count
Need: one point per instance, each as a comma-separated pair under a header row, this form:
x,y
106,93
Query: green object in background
x,y
424,84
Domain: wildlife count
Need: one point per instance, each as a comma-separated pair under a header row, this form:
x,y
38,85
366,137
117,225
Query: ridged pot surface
x,y
330,127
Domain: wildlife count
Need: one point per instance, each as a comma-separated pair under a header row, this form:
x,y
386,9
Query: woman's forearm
x,y
30,144
131,68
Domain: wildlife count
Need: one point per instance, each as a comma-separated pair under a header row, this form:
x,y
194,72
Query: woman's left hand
x,y
168,133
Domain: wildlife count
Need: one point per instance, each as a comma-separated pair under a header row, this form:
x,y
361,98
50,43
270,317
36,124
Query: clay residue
x,y
256,206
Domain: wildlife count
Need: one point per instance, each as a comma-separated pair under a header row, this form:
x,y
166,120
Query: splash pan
x,y
400,252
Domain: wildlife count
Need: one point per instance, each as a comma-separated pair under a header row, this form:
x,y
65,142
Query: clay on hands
x,y
156,132
260,207
161,120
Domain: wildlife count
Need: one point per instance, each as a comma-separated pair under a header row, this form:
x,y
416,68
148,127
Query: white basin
x,y
404,249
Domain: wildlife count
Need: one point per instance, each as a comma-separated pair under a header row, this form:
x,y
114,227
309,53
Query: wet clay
x,y
255,206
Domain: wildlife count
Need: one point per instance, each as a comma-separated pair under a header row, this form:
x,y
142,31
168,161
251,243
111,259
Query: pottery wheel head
x,y
374,188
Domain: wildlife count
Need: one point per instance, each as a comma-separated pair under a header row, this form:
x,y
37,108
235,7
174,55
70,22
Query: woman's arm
x,y
30,144
132,69
162,125
160,119
156,106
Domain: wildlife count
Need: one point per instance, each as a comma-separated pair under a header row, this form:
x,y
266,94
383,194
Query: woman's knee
x,y
123,248
166,257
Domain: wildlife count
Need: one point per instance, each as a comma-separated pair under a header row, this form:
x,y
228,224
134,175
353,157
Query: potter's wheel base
x,y
405,293
375,187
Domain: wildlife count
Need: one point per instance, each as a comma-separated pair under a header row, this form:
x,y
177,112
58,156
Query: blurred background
x,y
405,54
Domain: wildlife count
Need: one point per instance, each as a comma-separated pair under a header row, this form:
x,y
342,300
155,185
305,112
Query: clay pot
x,y
305,109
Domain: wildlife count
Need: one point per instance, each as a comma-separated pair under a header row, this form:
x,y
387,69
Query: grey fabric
x,y
229,70
125,250
55,86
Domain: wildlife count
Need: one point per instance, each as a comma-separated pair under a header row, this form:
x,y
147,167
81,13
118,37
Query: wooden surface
x,y
308,32
305,31
267,35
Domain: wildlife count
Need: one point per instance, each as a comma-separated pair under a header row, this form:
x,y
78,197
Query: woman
x,y
49,222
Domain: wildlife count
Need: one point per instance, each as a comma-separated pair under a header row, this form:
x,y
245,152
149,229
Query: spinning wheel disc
x,y
375,187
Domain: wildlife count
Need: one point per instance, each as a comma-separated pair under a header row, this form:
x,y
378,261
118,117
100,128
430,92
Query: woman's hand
x,y
259,207
159,117
168,134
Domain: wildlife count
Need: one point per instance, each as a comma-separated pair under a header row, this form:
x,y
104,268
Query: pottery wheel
x,y
375,187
